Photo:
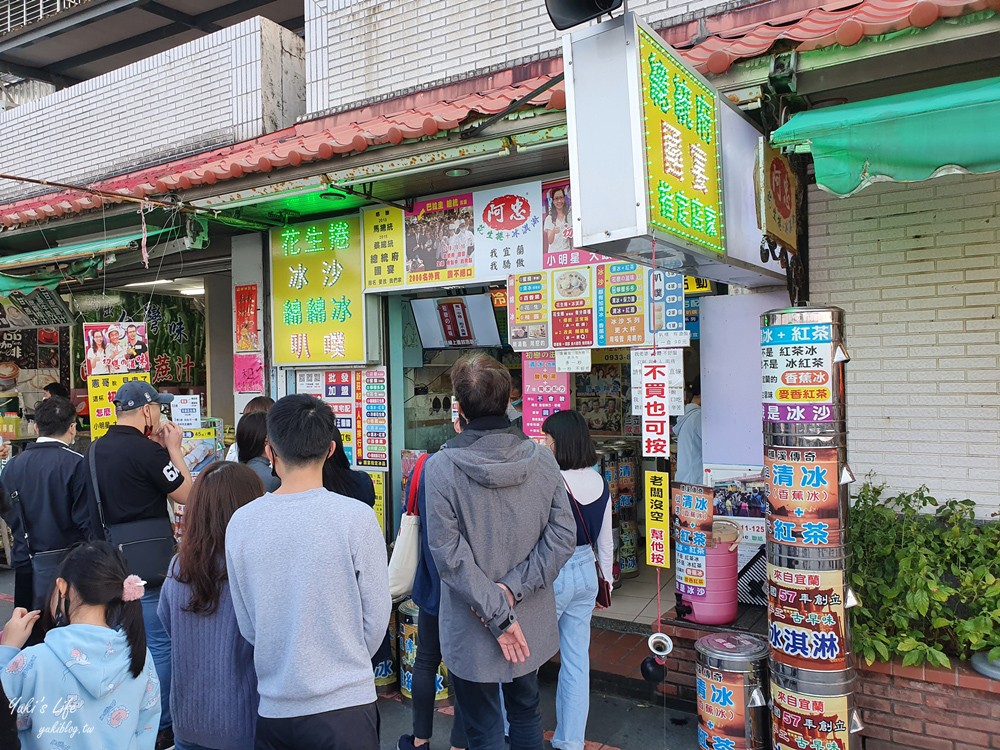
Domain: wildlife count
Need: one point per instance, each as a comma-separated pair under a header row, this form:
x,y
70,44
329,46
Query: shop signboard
x,y
101,390
797,372
317,280
692,511
658,519
692,317
807,721
247,314
777,193
803,495
508,233
544,391
674,359
665,300
116,348
655,382
528,311
694,286
621,308
248,372
378,482
806,618
40,308
572,314
385,263
681,141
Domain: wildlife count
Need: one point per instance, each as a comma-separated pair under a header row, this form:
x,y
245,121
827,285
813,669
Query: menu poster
x,y
528,311
572,308
371,424
384,247
440,243
338,392
692,510
544,391
39,308
247,318
665,299
200,447
621,303
797,372
185,411
508,234
101,390
115,348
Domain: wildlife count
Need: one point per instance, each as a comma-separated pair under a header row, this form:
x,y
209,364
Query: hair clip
x,y
133,589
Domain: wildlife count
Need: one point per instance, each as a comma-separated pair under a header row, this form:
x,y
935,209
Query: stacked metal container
x,y
628,484
805,468
608,457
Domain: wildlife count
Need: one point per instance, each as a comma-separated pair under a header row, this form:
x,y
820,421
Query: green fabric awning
x,y
901,138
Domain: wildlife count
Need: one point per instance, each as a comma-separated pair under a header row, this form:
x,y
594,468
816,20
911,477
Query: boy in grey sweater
x,y
316,614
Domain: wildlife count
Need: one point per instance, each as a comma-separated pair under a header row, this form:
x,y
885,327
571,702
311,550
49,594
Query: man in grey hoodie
x,y
500,528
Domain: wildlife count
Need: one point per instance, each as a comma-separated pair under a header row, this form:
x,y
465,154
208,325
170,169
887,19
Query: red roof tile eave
x,y
316,140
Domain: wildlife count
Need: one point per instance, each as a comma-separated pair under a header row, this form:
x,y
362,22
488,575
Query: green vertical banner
x,y
175,330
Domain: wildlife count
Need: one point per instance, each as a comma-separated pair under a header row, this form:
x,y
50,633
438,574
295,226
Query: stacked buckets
x,y
807,477
732,689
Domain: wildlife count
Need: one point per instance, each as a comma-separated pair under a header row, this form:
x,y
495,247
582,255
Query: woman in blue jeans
x,y
427,596
567,436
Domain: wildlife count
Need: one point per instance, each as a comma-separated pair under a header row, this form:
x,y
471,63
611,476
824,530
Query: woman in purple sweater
x,y
213,695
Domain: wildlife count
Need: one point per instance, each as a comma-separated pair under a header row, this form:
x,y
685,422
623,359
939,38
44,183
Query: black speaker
x,y
566,14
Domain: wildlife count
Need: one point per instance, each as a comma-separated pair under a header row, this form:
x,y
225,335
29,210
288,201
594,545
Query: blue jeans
x,y
482,712
158,643
181,745
576,592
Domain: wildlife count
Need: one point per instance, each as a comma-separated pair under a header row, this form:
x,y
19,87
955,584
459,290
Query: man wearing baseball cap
x,y
138,465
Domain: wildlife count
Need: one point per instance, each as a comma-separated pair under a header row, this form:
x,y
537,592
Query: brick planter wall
x,y
928,708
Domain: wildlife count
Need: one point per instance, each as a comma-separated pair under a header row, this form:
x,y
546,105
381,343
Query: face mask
x,y
148,430
512,413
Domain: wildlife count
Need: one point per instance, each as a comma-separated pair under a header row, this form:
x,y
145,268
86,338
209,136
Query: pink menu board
x,y
544,392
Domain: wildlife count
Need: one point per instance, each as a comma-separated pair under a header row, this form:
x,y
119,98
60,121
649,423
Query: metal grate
x,y
15,14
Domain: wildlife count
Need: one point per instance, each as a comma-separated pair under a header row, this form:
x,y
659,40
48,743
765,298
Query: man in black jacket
x,y
44,490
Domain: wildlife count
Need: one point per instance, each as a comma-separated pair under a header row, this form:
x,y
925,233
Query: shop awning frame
x,y
70,253
902,138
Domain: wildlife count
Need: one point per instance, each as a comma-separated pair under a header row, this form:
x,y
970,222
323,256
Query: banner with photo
x,y
115,348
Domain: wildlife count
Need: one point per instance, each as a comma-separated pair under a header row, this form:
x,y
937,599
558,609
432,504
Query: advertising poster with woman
x,y
115,348
557,229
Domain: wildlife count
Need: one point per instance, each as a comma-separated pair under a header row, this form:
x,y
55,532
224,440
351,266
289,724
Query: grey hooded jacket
x,y
497,512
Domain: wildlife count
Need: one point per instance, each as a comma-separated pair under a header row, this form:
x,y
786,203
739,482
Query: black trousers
x,y
354,728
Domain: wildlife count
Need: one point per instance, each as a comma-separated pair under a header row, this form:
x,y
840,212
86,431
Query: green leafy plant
x,y
927,576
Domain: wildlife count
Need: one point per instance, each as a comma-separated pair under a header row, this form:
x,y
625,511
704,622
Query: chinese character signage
x,y
803,493
693,515
692,317
248,372
666,301
185,411
655,410
316,293
440,242
797,372
200,447
693,285
777,191
674,359
385,262
101,390
804,721
657,519
544,391
807,620
681,140
721,708
528,311
247,323
621,305
508,230
371,424
572,308
378,482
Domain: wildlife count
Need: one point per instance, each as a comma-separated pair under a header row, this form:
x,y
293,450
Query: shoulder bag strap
x,y
583,523
92,460
15,499
412,508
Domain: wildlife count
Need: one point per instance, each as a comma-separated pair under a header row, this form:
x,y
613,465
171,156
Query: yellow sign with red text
x,y
101,390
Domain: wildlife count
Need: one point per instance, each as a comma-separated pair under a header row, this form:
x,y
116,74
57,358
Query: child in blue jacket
x,y
91,685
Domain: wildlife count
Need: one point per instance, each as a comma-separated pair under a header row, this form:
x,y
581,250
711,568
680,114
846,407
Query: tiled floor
x,y
635,600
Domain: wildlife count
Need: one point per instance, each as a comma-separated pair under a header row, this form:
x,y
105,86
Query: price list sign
x,y
572,308
797,372
621,297
372,418
545,391
693,513
528,311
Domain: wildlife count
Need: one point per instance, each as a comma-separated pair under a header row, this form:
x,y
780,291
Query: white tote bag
x,y
406,551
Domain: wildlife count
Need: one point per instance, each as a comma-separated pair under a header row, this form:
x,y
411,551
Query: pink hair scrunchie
x,y
133,588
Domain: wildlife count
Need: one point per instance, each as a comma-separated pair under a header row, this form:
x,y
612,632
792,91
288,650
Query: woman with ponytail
x,y
213,691
91,685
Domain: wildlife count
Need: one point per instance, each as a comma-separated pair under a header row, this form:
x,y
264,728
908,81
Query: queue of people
x,y
223,646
